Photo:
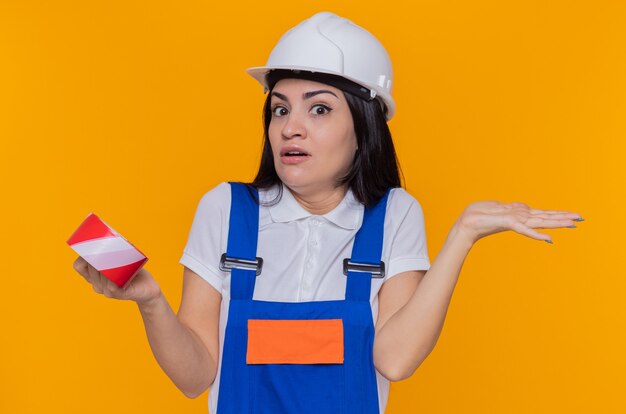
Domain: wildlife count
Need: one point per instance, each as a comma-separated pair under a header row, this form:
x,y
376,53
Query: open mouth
x,y
293,151
295,154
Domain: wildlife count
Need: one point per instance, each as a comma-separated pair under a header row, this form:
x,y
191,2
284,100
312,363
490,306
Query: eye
x,y
279,110
320,109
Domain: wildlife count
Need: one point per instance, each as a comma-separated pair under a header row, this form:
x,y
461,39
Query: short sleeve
x,y
208,236
405,233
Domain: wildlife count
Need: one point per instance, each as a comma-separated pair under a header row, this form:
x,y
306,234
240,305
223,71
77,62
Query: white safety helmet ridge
x,y
327,43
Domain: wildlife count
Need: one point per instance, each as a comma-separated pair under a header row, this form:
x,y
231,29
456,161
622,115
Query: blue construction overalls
x,y
347,386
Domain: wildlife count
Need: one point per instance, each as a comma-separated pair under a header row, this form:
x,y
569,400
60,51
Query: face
x,y
311,133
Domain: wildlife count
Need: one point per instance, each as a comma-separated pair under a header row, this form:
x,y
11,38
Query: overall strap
x,y
243,232
367,248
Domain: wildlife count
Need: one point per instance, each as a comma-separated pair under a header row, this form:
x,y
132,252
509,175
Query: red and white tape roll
x,y
107,251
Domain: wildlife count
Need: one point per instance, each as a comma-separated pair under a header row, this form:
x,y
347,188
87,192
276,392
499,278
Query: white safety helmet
x,y
327,43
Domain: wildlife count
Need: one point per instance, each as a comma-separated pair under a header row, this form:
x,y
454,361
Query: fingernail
x,y
579,219
549,241
571,227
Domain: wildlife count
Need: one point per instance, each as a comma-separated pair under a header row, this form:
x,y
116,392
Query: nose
x,y
293,127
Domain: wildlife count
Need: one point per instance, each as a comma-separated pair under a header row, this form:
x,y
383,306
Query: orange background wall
x,y
134,109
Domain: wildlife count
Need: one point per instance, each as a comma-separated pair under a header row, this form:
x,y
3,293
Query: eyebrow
x,y
306,95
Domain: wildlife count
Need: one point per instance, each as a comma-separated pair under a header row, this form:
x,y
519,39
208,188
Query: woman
x,y
310,289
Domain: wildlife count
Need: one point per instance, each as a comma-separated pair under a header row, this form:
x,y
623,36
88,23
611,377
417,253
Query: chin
x,y
301,181
294,183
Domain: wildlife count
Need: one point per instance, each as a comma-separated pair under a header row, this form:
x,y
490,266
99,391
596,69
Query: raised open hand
x,y
483,218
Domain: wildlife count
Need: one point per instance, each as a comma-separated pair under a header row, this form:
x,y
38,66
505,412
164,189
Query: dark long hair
x,y
375,166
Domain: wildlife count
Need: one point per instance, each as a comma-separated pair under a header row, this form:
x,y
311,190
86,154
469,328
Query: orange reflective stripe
x,y
310,341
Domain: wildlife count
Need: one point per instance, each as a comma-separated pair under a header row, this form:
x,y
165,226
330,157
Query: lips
x,y
293,154
293,151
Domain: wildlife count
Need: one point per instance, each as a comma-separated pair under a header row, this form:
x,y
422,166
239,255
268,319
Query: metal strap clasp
x,y
228,263
377,271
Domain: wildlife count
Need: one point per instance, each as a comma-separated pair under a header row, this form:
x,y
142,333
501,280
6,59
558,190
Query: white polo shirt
x,y
303,253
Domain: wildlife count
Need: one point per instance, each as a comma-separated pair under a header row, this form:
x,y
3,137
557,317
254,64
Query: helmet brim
x,y
260,72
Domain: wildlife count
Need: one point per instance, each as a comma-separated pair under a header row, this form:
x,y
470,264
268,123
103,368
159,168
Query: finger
x,y
564,213
98,283
107,289
555,216
537,210
533,234
515,204
112,290
541,223
86,270
518,204
92,272
80,265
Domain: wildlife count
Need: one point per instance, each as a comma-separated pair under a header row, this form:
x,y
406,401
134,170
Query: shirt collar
x,y
347,214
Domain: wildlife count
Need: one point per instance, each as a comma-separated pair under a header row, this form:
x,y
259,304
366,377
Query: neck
x,y
319,202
